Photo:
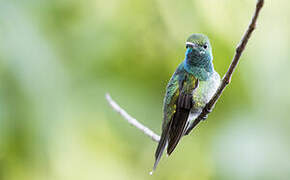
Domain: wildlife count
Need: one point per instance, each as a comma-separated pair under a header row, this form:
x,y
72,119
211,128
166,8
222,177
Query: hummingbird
x,y
192,85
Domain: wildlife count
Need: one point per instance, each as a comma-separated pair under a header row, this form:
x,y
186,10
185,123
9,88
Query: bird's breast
x,y
205,90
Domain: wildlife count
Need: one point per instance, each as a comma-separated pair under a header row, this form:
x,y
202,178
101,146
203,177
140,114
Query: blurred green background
x,y
58,58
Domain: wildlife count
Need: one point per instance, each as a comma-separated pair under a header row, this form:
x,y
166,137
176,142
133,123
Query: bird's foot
x,y
203,118
207,111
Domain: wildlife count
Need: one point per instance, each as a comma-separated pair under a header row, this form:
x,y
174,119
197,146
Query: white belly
x,y
203,93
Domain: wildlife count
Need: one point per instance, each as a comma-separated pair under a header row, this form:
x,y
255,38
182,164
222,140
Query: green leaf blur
x,y
58,58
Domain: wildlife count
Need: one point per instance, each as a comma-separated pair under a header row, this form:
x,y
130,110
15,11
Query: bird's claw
x,y
208,110
204,117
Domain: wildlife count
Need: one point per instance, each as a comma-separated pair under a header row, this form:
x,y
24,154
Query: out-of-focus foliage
x,y
59,57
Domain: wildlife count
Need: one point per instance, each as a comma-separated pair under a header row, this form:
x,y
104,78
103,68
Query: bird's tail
x,y
161,146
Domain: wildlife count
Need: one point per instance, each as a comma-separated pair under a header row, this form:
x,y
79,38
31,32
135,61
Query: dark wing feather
x,y
179,121
169,108
177,105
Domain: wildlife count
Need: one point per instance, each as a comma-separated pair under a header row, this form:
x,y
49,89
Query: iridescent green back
x,y
173,90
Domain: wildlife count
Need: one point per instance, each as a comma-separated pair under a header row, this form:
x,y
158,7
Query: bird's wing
x,y
169,108
183,105
177,105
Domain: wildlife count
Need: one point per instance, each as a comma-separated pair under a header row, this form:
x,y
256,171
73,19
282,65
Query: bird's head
x,y
198,50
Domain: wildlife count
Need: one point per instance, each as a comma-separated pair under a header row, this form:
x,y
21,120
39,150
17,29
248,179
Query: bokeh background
x,y
58,58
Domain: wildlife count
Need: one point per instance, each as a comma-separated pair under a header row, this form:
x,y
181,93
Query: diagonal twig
x,y
132,120
210,105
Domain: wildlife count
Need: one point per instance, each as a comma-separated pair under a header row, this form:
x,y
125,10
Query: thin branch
x,y
210,105
132,120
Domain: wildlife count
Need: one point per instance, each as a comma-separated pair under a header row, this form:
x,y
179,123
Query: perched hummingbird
x,y
192,85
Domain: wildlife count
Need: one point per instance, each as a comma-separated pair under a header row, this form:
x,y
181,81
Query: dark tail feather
x,y
161,146
177,129
160,149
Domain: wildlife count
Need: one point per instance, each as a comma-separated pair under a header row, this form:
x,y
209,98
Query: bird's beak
x,y
191,44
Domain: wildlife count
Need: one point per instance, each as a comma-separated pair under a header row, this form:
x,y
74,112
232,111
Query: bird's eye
x,y
204,46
